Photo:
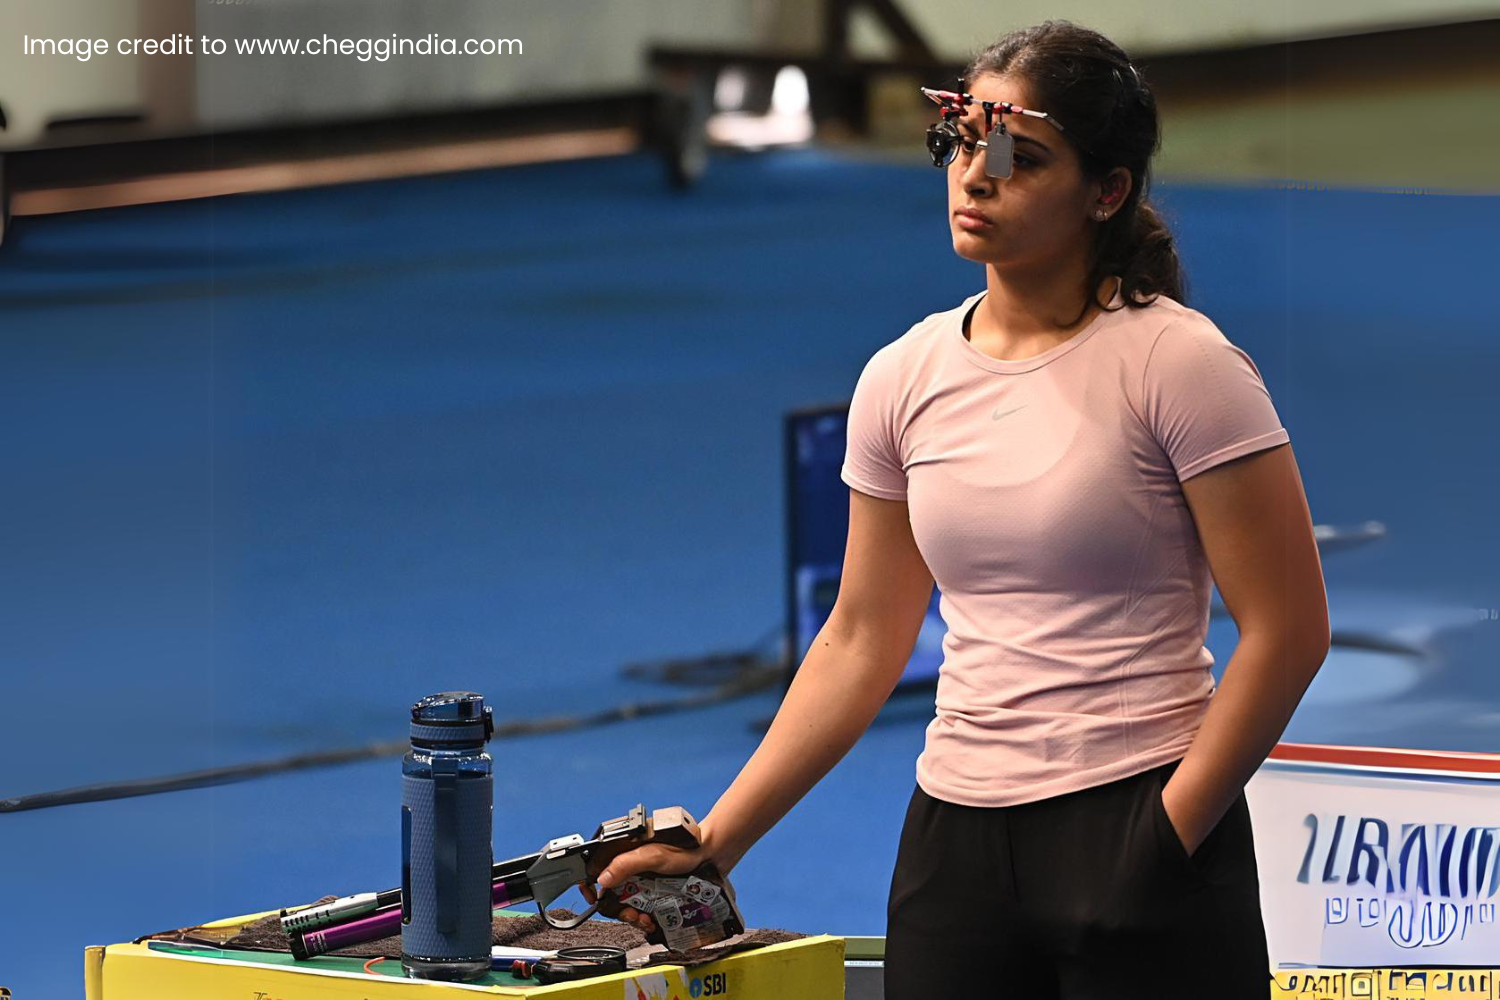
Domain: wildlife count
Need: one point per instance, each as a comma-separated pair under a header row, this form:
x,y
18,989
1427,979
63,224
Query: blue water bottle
x,y
447,797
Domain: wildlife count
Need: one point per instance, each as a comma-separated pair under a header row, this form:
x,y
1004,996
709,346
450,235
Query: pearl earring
x,y
1100,215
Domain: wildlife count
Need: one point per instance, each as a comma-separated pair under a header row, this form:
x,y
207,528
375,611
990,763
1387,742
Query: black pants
x,y
1084,896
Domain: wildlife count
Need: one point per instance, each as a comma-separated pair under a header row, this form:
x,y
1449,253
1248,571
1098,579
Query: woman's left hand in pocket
x,y
1191,839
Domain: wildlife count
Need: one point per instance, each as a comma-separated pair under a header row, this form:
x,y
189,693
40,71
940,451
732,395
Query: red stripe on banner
x,y
1422,760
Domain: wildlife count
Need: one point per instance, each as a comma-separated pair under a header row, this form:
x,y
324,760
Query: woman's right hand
x,y
655,859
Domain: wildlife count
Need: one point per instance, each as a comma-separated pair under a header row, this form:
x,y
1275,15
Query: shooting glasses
x,y
944,138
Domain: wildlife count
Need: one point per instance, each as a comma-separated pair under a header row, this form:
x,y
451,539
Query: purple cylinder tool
x,y
387,923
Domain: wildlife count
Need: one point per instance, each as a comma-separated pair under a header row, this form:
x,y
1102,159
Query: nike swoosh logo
x,y
998,414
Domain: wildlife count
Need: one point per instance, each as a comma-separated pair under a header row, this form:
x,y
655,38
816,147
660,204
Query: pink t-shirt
x,y
1045,496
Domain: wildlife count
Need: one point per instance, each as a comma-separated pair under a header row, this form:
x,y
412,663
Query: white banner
x,y
1366,864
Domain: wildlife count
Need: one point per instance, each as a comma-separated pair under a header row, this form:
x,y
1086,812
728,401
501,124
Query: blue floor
x,y
276,465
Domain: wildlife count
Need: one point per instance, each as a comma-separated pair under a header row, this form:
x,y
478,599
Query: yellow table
x,y
810,968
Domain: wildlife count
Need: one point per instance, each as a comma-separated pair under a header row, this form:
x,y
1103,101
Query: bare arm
x,y
1257,534
851,669
847,675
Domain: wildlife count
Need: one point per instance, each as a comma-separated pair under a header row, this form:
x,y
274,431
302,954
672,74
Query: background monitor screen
x,y
817,529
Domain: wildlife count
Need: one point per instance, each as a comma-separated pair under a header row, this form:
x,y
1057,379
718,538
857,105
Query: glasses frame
x,y
943,138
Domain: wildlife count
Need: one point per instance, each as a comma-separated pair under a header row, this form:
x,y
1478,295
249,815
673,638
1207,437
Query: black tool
x,y
570,964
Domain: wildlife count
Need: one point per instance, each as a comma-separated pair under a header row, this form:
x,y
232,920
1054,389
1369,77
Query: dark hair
x,y
1108,114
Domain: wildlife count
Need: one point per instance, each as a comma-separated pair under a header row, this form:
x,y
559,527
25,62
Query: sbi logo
x,y
712,985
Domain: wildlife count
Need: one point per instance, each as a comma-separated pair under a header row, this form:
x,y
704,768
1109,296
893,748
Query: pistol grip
x,y
610,905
